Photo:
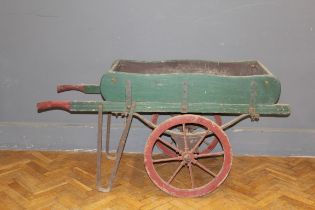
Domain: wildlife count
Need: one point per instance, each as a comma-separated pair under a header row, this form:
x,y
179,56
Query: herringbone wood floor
x,y
65,180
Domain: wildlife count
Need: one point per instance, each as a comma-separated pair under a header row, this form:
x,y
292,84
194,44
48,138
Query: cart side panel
x,y
169,88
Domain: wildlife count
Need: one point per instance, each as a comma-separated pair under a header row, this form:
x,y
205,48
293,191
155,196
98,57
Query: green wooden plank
x,y
202,88
159,107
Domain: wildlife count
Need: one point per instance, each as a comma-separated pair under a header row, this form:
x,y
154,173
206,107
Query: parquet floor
x,y
65,180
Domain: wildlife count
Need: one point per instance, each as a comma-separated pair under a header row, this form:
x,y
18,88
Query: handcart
x,y
189,154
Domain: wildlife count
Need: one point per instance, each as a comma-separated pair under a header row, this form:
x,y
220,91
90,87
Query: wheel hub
x,y
188,157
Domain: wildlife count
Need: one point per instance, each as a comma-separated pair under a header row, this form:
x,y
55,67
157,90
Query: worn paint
x,y
207,91
212,82
201,88
155,107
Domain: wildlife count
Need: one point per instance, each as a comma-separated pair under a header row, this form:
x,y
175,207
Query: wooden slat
x,y
160,107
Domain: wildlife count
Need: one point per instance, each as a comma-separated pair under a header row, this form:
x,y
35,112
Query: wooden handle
x,y
63,88
48,105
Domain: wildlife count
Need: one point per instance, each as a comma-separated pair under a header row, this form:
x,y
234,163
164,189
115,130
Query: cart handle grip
x,y
48,105
63,88
84,88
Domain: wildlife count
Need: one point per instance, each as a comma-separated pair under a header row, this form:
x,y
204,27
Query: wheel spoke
x,y
205,168
185,137
176,172
167,159
199,141
209,142
166,150
169,145
215,154
191,175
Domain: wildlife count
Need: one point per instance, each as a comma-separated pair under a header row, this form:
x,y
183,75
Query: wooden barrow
x,y
186,90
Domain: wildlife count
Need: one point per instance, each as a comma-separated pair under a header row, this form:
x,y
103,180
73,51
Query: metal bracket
x,y
252,103
184,105
128,94
252,114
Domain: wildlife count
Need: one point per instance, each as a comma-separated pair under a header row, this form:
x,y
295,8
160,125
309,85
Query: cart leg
x,y
99,147
119,152
108,125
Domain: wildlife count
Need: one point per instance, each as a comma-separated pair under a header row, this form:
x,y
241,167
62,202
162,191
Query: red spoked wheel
x,y
208,145
204,172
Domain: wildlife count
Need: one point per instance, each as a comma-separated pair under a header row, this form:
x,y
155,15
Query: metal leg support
x,y
119,151
108,125
99,146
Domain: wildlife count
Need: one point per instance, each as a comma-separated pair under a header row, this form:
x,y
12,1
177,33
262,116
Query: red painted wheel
x,y
208,145
205,170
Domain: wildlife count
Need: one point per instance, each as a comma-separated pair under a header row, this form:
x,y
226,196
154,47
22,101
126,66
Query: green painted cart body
x,y
188,89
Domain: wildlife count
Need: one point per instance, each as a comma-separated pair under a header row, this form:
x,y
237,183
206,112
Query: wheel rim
x,y
209,146
186,155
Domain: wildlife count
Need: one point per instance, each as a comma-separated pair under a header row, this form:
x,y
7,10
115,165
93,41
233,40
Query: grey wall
x,y
44,43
